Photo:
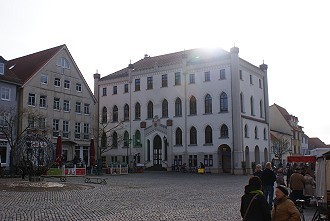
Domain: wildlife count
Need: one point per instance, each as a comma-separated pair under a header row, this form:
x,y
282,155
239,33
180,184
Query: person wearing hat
x,y
284,209
254,206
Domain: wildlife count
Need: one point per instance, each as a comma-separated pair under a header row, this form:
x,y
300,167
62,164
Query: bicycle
x,y
319,214
300,206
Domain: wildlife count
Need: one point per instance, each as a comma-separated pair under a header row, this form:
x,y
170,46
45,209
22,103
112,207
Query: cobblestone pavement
x,y
145,196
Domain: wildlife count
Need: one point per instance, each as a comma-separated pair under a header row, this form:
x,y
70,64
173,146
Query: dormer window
x,y
2,68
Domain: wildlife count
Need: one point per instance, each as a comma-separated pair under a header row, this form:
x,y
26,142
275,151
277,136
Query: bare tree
x,y
12,128
281,146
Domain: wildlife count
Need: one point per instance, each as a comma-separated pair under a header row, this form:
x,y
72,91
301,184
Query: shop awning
x,y
301,159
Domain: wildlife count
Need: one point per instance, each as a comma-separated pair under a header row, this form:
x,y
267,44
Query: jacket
x,y
285,210
268,177
259,209
297,181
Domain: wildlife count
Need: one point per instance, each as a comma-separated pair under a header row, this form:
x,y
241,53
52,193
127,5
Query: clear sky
x,y
291,37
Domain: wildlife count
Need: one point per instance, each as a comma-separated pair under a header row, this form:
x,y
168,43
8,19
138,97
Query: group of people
x,y
258,203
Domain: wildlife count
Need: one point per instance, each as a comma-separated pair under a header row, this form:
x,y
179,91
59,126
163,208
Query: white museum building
x,y
188,107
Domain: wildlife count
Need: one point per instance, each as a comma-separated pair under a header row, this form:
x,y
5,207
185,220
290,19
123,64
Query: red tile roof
x,y
315,142
288,117
25,67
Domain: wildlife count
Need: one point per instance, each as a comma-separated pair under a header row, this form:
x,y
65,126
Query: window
x,y
65,132
115,114
261,104
137,140
78,87
223,102
222,74
126,139
66,84
242,102
86,108
252,105
57,82
137,84
126,112
207,76
62,62
104,115
31,122
56,126
224,131
251,80
193,106
43,101
164,80
178,107
44,79
191,78
114,90
78,107
150,110
114,140
32,99
165,108
5,93
178,136
177,78
208,104
137,111
104,140
2,68
208,160
193,136
77,131
246,131
125,88
66,105
149,83
256,133
56,103
86,131
240,74
42,123
104,91
260,83
265,134
208,135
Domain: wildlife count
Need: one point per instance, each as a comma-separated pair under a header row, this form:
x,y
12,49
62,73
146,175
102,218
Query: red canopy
x,y
59,151
92,153
301,159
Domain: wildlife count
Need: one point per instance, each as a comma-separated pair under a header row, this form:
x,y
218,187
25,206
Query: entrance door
x,y
226,158
157,151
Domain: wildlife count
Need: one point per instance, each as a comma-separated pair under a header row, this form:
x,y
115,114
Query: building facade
x,y
56,100
189,107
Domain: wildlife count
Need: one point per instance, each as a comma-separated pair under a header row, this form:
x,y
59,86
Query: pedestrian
x,y
297,183
268,178
288,174
254,206
309,183
284,209
280,177
258,171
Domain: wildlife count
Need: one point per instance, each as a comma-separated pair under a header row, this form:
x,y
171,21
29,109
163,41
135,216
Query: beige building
x,y
56,99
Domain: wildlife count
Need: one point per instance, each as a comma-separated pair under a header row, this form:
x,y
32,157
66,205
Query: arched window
x,y
193,135
223,102
224,131
104,115
261,109
208,104
178,107
256,132
137,111
252,105
104,140
165,108
126,139
242,102
115,114
265,134
114,140
208,135
137,138
246,131
150,110
193,106
178,136
126,112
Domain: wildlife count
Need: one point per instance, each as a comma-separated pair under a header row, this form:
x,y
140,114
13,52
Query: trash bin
x,y
201,170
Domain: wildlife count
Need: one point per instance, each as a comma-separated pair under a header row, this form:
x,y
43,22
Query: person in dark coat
x,y
259,209
258,172
268,178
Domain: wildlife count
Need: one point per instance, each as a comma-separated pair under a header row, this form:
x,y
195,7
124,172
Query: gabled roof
x,y
9,76
193,56
315,142
287,117
25,67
